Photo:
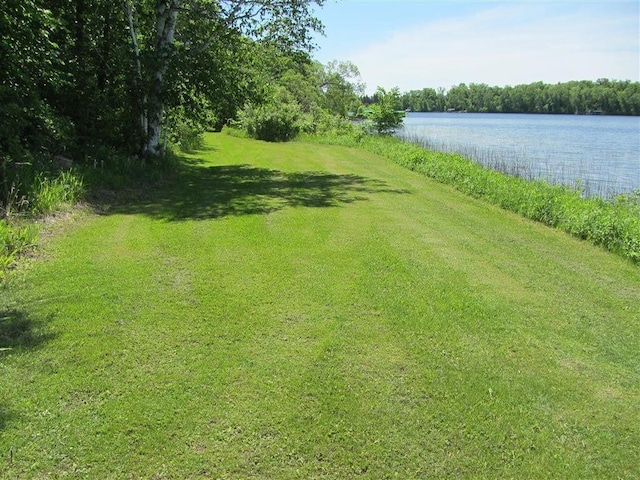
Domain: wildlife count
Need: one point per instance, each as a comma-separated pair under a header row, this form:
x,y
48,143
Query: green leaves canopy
x,y
82,74
384,113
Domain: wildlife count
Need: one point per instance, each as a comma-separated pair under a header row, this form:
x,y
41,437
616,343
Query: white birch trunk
x,y
166,18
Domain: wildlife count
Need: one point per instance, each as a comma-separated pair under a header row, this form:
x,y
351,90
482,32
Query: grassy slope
x,y
305,311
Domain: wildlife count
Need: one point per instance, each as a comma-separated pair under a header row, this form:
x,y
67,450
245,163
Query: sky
x,y
417,44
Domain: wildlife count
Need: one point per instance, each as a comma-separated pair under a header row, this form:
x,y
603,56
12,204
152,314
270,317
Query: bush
x,y
271,122
335,130
185,131
279,119
384,113
188,137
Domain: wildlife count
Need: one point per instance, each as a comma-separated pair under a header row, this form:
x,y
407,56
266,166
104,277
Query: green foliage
x,y
212,54
96,88
188,136
186,130
613,224
15,239
341,88
605,96
276,120
108,171
81,75
384,112
425,100
213,72
30,128
313,97
326,124
272,122
86,79
36,191
52,194
33,196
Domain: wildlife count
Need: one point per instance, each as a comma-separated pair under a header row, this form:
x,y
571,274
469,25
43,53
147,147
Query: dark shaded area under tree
x,y
199,193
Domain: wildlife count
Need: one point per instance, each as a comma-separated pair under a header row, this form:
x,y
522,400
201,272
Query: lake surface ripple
x,y
600,155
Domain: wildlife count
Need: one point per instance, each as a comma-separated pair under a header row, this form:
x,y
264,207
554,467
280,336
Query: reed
x,y
514,162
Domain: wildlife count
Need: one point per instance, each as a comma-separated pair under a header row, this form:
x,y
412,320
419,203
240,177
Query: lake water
x,y
599,154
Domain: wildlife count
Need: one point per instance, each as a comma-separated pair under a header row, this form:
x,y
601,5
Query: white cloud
x,y
505,45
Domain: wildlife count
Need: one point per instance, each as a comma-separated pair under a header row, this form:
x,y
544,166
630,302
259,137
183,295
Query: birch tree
x,y
288,23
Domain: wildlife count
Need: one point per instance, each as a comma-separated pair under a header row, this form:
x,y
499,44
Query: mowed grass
x,y
308,311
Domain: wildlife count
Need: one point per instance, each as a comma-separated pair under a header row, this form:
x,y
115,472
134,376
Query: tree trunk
x,y
151,102
166,17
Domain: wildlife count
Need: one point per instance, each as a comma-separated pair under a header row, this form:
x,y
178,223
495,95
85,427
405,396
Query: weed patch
x,y
26,203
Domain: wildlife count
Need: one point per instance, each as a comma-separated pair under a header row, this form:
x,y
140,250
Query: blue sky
x,y
417,44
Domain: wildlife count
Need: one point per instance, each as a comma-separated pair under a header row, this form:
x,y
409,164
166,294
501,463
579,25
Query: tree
x,y
28,66
299,95
96,86
458,98
341,87
154,28
28,61
384,113
612,97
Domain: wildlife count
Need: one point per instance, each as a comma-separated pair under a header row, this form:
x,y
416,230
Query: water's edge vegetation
x,y
611,223
597,156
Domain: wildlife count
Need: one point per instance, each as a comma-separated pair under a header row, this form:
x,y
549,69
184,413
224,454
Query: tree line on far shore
x,y
604,96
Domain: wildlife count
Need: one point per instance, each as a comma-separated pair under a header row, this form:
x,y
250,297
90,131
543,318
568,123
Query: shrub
x,y
188,137
186,132
271,122
278,119
384,114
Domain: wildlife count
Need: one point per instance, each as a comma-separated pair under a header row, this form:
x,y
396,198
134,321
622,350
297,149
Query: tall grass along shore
x,y
612,223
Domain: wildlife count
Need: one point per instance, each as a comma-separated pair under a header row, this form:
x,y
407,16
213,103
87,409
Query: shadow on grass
x,y
198,193
18,331
6,416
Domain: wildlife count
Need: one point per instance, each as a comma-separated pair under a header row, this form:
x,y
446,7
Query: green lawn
x,y
307,311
